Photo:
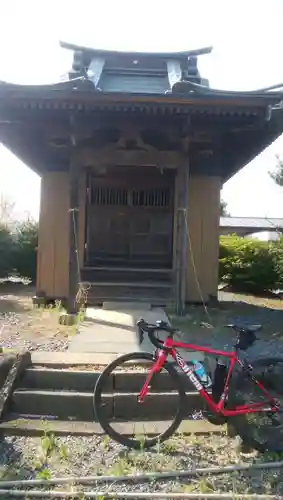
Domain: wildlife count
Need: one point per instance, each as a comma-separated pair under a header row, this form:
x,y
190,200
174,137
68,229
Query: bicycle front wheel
x,y
130,423
262,430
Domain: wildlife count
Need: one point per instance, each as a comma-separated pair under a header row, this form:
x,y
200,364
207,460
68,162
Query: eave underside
x,y
218,137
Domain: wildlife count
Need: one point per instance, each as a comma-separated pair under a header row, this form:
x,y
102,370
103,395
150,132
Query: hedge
x,y
251,265
18,245
244,263
6,251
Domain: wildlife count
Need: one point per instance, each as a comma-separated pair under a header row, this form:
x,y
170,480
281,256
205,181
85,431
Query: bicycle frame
x,y
170,347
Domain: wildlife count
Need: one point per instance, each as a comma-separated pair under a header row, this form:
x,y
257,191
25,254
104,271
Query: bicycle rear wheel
x,y
261,430
122,417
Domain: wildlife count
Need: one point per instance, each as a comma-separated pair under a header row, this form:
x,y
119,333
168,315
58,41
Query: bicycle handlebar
x,y
160,325
245,334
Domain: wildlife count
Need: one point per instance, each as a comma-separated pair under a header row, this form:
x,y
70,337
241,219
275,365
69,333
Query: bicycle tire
x,y
245,425
116,436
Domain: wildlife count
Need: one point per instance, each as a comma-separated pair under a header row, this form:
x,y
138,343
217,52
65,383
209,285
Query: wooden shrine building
x,y
133,150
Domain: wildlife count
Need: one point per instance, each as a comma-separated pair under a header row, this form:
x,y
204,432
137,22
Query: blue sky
x,y
248,49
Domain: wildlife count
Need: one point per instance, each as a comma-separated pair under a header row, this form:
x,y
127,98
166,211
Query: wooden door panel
x,y
131,218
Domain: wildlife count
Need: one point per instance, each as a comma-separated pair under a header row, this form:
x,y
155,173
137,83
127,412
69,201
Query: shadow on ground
x,y
121,326
12,462
207,326
15,298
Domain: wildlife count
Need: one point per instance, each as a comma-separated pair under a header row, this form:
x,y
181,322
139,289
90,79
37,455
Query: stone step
x,y
84,380
66,405
60,380
93,361
16,425
120,274
137,284
156,294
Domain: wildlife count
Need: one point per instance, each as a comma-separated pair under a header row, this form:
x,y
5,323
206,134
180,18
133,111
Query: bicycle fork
x,y
160,357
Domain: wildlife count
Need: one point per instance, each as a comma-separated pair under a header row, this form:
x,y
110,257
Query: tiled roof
x,y
251,222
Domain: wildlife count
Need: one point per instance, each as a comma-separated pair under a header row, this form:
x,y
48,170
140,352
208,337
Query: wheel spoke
x,y
125,419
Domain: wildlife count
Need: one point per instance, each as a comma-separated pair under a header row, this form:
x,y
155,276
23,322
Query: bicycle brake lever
x,y
141,335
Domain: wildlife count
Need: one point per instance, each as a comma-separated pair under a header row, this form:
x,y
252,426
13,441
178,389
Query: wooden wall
x,y
203,217
54,233
53,245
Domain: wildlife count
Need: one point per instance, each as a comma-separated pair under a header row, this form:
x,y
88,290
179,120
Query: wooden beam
x,y
108,157
182,236
74,266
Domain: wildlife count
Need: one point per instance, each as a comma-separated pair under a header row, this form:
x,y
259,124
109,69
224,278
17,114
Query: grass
x,y
49,448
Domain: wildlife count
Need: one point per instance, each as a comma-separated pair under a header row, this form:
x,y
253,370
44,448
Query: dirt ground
x,y
24,327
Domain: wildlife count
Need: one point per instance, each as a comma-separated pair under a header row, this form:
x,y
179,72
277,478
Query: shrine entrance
x,y
130,218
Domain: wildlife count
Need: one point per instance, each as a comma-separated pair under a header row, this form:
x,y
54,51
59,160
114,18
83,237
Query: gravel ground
x,y
238,308
14,334
21,458
23,327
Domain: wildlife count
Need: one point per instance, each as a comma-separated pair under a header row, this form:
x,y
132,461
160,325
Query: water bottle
x,y
201,373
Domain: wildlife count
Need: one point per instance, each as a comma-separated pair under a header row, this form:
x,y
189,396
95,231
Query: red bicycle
x,y
249,396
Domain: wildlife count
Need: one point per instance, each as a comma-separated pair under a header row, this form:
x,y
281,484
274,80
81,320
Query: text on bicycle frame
x,y
188,371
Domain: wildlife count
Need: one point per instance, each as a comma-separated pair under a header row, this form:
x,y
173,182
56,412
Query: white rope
x,y
192,258
83,287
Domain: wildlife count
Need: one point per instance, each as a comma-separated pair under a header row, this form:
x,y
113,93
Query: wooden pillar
x,y
182,236
74,264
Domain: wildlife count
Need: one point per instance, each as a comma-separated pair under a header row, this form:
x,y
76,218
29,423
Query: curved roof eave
x,y
104,52
83,90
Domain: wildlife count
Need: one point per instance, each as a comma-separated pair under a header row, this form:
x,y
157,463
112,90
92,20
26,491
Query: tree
x,y
277,175
223,209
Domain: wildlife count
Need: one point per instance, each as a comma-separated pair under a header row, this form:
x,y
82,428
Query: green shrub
x,y
248,264
25,249
7,249
277,251
18,246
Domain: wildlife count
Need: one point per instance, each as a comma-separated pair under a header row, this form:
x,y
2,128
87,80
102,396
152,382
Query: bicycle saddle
x,y
245,334
252,328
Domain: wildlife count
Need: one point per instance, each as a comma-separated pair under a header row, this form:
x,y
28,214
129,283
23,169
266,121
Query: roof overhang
x,y
164,55
82,92
20,105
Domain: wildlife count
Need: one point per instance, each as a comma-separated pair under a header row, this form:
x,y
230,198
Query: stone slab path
x,y
112,330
